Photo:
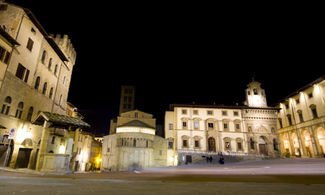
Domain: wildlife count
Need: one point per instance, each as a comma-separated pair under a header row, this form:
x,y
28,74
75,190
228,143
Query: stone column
x,y
292,147
313,141
43,145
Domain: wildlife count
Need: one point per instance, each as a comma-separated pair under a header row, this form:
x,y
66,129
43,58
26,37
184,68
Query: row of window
x,y
310,95
19,111
29,46
210,125
211,112
5,109
300,116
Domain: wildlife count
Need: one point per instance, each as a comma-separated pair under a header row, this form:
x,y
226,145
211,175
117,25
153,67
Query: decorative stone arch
x,y
27,143
320,137
239,144
197,142
210,124
196,121
306,139
237,125
225,125
227,144
185,122
185,141
263,145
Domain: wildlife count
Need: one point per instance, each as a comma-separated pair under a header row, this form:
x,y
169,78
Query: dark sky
x,y
180,53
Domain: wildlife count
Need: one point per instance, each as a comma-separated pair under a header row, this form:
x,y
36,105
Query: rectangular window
x,y
210,112
196,125
184,124
195,112
184,143
301,118
236,113
170,126
197,143
239,146
224,113
20,71
310,95
170,145
30,44
237,126
210,125
2,53
314,111
225,125
184,111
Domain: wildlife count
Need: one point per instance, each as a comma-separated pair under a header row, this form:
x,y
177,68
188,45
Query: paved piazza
x,y
283,176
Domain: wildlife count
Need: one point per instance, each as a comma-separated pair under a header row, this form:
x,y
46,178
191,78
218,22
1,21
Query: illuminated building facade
x,y
301,121
134,144
194,131
35,80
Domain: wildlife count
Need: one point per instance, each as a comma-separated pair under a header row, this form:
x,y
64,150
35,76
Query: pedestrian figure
x,y
222,160
210,159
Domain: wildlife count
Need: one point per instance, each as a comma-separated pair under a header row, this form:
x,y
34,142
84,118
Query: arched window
x,y
51,93
37,82
289,119
134,143
252,144
275,145
44,88
255,91
19,110
301,118
30,113
50,64
6,106
43,57
314,111
227,142
56,69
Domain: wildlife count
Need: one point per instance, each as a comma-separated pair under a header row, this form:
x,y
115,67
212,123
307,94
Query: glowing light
x,y
98,160
23,134
135,130
62,149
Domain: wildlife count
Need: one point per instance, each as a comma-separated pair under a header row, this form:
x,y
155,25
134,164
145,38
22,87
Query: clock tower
x,y
255,95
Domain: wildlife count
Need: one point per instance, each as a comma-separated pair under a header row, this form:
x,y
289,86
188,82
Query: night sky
x,y
181,53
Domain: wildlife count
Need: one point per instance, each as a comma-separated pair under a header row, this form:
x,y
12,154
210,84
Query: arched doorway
x,y
308,144
295,142
286,146
321,139
262,145
211,144
24,154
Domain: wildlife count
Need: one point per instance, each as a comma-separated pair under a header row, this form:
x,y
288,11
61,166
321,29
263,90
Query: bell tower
x,y
255,95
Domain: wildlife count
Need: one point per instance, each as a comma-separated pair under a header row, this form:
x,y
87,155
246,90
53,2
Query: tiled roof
x,y
136,123
60,120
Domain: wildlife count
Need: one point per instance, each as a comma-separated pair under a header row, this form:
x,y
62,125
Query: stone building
x,y
301,121
194,131
133,145
35,79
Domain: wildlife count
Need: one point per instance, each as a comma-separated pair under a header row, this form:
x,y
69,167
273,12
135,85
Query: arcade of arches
x,y
306,142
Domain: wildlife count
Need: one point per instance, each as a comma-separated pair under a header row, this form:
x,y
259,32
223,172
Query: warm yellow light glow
x,y
135,130
316,88
23,134
62,149
98,160
306,138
